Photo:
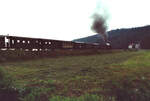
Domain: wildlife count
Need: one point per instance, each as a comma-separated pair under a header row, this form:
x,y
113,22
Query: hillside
x,y
121,38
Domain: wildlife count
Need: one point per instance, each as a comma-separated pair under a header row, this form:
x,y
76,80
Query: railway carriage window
x,y
28,41
18,41
23,41
13,41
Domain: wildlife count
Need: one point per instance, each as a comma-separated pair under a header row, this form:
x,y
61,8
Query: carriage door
x,y
7,42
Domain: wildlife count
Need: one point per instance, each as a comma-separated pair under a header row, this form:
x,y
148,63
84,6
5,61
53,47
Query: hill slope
x,y
121,38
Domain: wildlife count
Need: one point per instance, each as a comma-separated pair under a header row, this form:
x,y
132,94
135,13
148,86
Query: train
x,y
39,44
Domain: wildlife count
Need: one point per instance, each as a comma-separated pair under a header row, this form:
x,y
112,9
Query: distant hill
x,y
121,38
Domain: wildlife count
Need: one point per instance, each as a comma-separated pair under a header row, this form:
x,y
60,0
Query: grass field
x,y
115,76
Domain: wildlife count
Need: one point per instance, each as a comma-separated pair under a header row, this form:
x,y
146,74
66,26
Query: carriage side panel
x,y
2,42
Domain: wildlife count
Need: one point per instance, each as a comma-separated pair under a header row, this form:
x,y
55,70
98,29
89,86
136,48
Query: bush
x,y
7,91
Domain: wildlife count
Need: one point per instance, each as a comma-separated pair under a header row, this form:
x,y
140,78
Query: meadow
x,y
114,76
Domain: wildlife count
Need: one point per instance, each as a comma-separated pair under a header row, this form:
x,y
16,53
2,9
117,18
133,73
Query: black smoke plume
x,y
99,26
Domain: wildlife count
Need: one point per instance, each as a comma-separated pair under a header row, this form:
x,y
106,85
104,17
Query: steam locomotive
x,y
25,43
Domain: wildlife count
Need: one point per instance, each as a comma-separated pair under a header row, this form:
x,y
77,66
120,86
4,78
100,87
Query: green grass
x,y
85,97
63,67
106,75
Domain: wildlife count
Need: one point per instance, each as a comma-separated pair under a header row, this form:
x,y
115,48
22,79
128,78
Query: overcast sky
x,y
68,19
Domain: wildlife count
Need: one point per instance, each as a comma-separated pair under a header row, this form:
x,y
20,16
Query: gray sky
x,y
68,19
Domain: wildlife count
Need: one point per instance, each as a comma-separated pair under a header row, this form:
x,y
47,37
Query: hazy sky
x,y
68,19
